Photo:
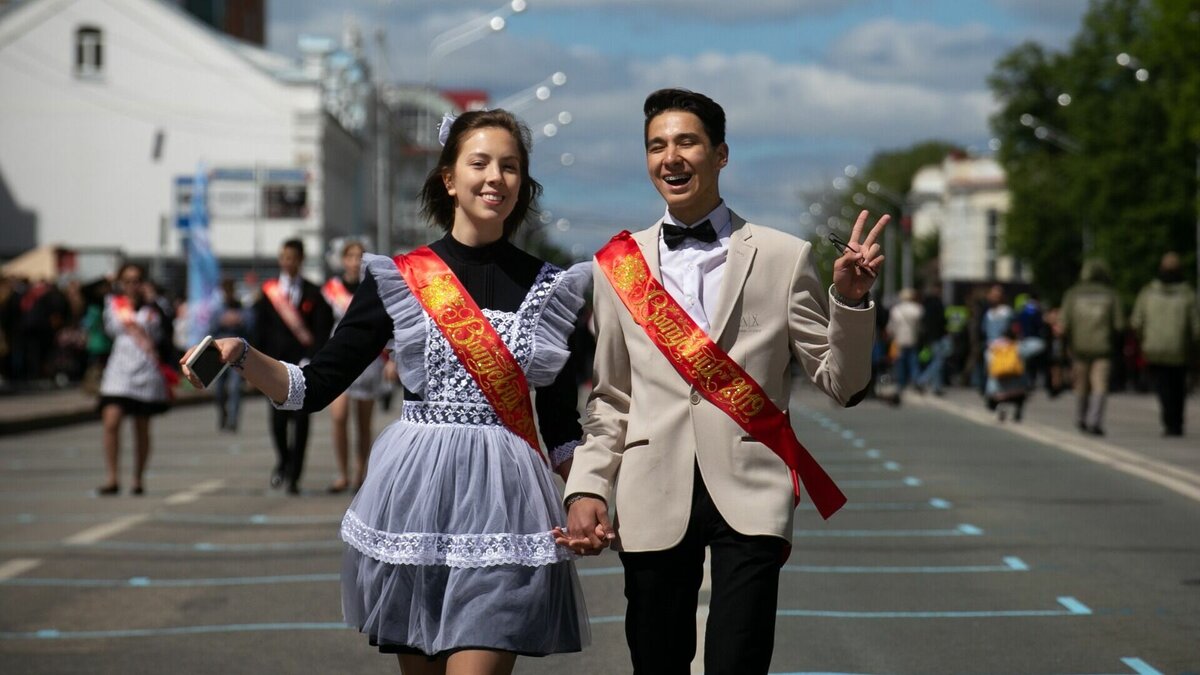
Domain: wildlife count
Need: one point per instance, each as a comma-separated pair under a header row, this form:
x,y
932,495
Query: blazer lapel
x,y
737,268
647,240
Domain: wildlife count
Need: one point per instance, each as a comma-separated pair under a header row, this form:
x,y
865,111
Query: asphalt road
x,y
965,549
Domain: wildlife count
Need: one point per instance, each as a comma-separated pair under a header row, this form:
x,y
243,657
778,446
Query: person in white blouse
x,y
679,473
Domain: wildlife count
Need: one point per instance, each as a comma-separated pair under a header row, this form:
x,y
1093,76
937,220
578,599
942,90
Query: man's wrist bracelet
x,y
240,361
841,299
577,496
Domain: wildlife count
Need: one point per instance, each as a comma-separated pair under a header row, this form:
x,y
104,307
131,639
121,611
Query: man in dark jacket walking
x,y
291,322
1168,325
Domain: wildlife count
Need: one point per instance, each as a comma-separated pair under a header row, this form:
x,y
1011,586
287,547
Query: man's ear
x,y
722,155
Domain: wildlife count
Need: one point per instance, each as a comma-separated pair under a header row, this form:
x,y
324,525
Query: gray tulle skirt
x,y
450,543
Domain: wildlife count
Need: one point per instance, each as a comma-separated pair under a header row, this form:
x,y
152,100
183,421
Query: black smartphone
x,y
206,363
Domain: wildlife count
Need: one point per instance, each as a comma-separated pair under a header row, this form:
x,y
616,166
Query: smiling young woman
x,y
455,522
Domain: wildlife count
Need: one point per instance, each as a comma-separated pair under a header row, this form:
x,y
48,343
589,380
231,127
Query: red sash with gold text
x,y
123,308
473,339
337,295
705,366
287,311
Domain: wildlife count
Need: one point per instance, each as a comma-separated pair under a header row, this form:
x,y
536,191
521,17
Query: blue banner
x,y
203,272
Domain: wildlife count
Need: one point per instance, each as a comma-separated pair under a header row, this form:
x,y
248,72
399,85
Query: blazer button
x,y
695,398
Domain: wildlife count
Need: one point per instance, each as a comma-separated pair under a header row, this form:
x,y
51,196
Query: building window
x,y
993,242
89,51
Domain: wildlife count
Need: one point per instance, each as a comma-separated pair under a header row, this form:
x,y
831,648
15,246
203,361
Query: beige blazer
x,y
646,427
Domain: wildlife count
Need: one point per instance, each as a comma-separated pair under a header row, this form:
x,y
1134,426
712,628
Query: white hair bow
x,y
444,128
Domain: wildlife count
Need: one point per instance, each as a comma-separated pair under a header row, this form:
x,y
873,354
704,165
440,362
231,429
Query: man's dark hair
x,y
296,245
438,206
711,115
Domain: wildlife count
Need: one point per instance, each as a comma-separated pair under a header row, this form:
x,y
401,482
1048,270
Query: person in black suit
x,y
292,321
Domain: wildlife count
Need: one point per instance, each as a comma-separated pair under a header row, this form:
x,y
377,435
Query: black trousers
x,y
1170,383
289,447
662,589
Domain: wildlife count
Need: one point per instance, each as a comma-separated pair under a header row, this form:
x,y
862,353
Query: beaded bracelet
x,y
240,362
862,302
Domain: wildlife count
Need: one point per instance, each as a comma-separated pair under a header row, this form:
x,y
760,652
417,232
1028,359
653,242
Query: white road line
x,y
105,530
195,492
18,566
1179,480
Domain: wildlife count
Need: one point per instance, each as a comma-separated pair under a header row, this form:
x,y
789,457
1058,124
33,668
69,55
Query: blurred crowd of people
x,y
52,334
1010,347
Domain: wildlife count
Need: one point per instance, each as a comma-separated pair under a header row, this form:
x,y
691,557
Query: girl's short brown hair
x,y
438,206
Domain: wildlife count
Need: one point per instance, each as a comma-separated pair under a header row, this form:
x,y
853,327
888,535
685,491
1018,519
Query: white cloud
x,y
406,10
936,56
789,122
743,10
765,97
1046,11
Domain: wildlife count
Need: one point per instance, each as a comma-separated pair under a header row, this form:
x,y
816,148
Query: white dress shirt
x,y
692,272
290,287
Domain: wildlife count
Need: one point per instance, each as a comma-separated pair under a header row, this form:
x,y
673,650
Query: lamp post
x,y
383,150
550,127
539,91
466,33
1060,139
462,35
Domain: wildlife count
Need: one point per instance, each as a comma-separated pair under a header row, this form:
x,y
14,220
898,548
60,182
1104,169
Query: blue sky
x,y
809,86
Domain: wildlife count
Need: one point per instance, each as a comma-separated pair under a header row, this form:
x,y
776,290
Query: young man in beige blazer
x,y
678,472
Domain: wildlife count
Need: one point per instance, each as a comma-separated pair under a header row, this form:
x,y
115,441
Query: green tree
x,y
891,172
1102,171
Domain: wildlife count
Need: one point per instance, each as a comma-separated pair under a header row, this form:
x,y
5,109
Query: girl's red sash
x,y
337,294
705,366
473,339
125,312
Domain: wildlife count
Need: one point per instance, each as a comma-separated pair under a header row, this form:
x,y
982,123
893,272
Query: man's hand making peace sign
x,y
855,270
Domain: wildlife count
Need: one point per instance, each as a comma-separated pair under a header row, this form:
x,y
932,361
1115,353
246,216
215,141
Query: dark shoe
x,y
293,489
108,490
1082,427
1173,432
138,491
1096,431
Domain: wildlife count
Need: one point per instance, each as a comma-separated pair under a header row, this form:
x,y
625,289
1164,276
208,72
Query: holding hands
x,y
588,530
855,269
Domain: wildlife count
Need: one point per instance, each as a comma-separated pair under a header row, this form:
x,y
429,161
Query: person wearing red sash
x,y
133,383
699,319
361,395
452,561
291,322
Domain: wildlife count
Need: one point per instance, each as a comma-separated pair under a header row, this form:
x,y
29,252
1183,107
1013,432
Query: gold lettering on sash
x,y
440,294
477,345
628,272
705,366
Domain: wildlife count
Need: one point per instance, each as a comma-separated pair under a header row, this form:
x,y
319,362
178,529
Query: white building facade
x,y
108,108
965,201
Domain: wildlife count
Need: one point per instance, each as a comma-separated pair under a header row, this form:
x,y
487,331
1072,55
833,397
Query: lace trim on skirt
x,y
452,550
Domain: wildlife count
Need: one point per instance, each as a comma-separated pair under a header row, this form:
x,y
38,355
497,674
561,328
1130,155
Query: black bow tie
x,y
674,235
